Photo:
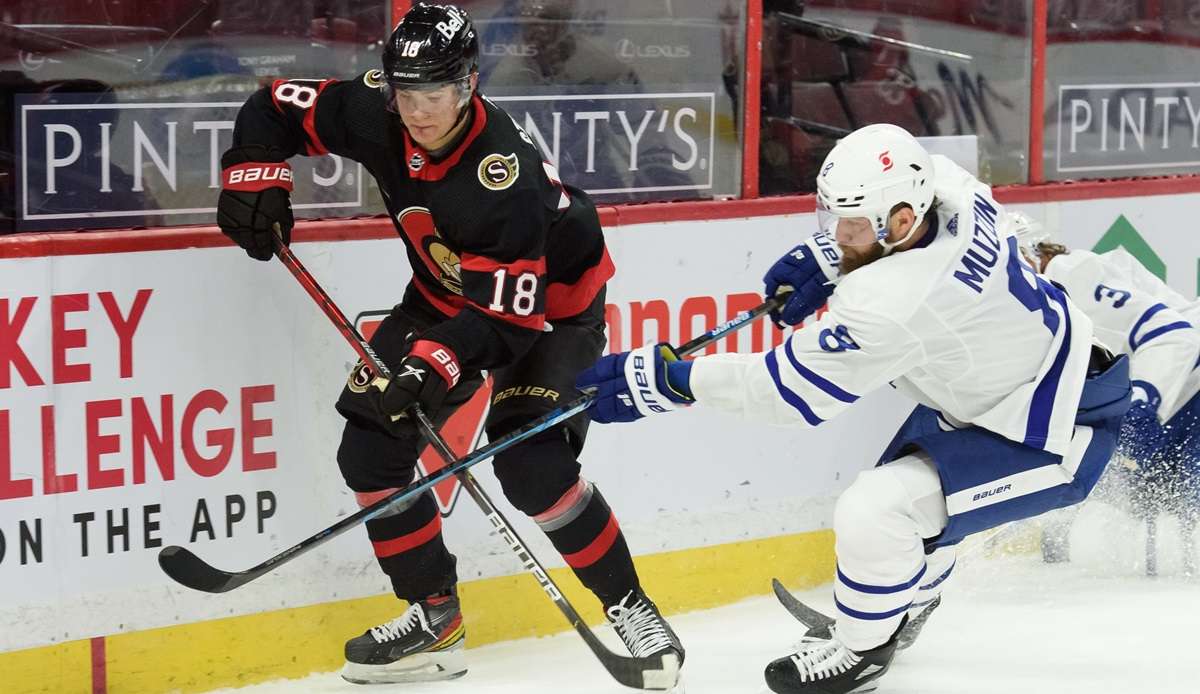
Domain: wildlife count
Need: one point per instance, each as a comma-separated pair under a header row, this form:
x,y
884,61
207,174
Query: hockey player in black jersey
x,y
509,270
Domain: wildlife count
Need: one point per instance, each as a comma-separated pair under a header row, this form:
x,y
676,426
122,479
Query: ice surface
x,y
1007,624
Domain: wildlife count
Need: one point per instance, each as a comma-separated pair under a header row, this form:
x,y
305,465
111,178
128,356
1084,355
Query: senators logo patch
x,y
440,259
498,172
416,161
447,262
360,378
373,79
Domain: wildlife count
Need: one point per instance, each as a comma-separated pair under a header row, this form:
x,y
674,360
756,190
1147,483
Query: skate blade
x,y
421,667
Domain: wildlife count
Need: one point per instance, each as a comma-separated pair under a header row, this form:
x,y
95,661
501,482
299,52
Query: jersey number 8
x,y
297,94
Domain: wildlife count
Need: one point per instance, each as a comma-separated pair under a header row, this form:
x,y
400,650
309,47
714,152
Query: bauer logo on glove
x,y
631,385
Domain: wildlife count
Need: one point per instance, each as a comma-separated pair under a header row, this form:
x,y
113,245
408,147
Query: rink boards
x,y
183,396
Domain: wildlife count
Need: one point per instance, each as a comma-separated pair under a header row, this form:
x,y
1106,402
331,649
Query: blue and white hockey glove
x,y
631,385
808,271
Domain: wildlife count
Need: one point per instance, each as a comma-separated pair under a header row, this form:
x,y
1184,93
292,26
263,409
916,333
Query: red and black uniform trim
x,y
423,169
496,254
498,247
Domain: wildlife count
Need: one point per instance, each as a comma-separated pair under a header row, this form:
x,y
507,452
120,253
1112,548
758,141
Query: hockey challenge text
x,y
157,440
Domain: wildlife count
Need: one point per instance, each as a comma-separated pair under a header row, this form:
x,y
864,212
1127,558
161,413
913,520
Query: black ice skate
x,y
827,666
422,645
912,627
646,634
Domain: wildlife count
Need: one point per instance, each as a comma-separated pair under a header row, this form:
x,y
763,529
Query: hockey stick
x,y
639,673
815,621
184,567
818,623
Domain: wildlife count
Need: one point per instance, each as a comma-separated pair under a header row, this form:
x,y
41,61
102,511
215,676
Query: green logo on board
x,y
1122,234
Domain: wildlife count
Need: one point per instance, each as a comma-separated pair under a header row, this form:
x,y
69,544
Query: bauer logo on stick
x,y
498,172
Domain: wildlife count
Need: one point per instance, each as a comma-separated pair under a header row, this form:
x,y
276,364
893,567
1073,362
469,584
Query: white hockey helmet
x,y
1034,240
865,176
1029,231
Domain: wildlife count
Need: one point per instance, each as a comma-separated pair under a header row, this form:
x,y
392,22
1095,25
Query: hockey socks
x,y
582,527
410,549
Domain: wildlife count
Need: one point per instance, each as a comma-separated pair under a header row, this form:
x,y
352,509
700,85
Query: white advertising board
x,y
185,397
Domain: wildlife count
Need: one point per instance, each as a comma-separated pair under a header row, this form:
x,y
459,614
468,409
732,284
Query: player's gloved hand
x,y
425,376
255,201
631,385
1142,436
807,271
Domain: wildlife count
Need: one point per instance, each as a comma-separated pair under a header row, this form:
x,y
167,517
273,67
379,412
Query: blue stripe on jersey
x,y
789,396
880,590
811,376
859,614
1133,341
1037,427
1177,325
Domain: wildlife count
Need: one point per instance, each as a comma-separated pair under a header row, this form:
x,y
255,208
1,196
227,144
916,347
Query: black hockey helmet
x,y
432,45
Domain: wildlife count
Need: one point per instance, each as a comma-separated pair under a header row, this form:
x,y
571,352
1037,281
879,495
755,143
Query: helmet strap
x,y
889,247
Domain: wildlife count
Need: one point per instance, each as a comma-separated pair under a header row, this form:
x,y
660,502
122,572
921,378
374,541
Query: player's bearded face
x,y
429,114
856,239
856,256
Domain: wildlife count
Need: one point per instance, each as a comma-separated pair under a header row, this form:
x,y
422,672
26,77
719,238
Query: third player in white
x,y
1135,313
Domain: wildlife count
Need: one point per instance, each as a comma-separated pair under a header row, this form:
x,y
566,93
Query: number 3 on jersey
x,y
523,296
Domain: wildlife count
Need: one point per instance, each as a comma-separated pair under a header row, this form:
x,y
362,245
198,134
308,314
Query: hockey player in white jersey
x,y
1136,314
1018,414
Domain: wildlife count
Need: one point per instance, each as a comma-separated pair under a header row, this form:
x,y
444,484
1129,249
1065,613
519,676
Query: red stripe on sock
x,y
390,548
597,548
99,666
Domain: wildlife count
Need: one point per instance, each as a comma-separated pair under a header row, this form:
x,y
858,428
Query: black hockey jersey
x,y
497,243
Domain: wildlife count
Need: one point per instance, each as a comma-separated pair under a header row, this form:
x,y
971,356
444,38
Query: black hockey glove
x,y
255,198
425,376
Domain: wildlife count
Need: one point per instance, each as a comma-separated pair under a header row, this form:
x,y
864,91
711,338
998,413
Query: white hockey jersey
x,y
1134,313
959,324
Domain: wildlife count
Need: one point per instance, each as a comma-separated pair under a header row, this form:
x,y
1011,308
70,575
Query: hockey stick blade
x,y
638,673
184,567
814,620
